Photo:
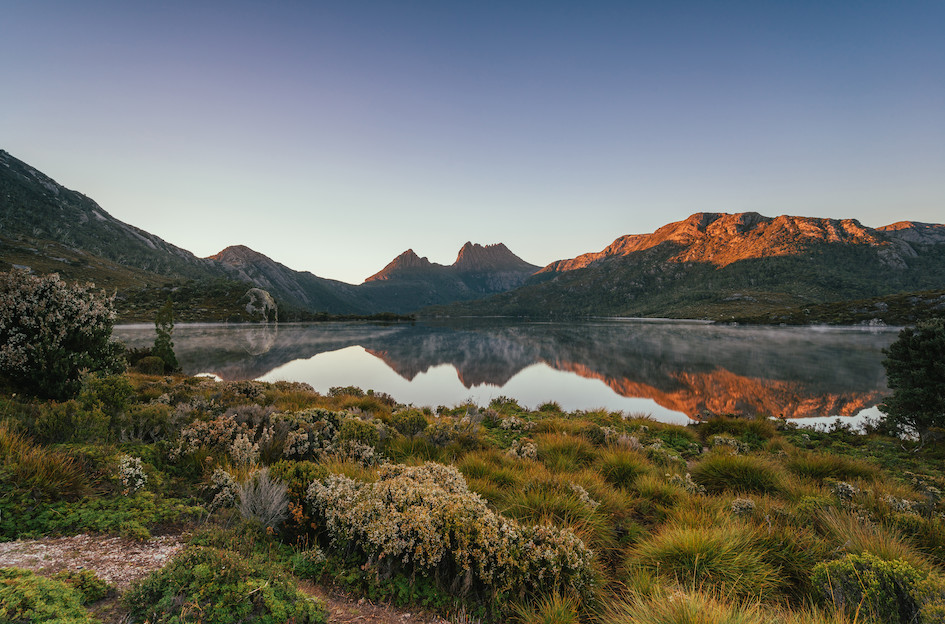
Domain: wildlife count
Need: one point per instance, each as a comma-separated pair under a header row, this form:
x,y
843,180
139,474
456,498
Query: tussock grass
x,y
821,466
854,535
551,609
50,474
729,559
622,466
720,472
563,452
745,429
683,607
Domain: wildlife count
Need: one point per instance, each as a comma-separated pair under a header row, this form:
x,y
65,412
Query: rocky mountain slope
x,y
718,265
48,228
409,282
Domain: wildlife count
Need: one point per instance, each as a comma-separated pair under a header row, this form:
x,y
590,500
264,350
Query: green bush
x,y
737,473
915,372
356,430
204,584
409,422
50,333
26,597
886,592
150,365
87,584
70,422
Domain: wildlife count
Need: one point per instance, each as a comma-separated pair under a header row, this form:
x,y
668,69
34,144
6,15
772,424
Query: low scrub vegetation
x,y
499,513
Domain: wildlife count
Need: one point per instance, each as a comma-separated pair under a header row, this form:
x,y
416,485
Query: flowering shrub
x,y
743,506
523,450
131,474
426,517
224,488
51,332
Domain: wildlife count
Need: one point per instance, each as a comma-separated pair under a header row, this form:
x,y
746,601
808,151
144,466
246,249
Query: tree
x,y
915,372
163,345
51,333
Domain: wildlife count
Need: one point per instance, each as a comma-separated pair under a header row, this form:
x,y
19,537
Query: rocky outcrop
x,y
261,306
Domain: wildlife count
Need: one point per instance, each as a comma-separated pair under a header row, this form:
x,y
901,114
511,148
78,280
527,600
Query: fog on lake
x,y
671,370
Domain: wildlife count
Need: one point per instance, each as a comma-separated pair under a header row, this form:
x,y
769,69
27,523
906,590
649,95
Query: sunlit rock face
x,y
722,239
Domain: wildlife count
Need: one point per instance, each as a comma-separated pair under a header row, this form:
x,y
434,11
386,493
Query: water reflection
x,y
688,368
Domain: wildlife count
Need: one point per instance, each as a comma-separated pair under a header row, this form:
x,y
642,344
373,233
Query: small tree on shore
x,y
163,345
51,333
915,372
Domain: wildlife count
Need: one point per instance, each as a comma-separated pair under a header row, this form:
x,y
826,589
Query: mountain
x,y
300,289
410,282
36,207
715,266
48,228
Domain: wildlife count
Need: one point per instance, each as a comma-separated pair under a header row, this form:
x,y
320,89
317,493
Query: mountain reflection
x,y
691,368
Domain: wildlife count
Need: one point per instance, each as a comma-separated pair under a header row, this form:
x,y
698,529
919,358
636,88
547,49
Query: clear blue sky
x,y
332,136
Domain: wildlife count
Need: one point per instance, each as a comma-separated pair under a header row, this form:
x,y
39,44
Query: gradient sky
x,y
332,136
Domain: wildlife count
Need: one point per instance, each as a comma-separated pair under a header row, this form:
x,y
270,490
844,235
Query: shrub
x,y
263,499
163,345
87,584
915,372
425,517
737,473
887,592
724,559
409,422
28,597
51,332
204,584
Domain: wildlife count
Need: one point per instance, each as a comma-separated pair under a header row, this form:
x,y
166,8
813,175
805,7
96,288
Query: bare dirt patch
x,y
345,609
116,560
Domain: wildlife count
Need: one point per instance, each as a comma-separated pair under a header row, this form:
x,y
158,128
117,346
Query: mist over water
x,y
672,370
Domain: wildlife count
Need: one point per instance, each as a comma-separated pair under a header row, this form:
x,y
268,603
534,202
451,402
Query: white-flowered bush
x,y
131,474
426,517
843,490
743,506
224,488
584,495
514,423
51,332
737,447
686,483
243,450
217,434
523,449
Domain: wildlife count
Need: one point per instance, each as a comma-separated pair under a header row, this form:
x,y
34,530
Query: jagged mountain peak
x,y
406,263
497,257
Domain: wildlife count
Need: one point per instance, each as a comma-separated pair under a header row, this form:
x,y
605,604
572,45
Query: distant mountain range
x,y
723,266
47,227
711,265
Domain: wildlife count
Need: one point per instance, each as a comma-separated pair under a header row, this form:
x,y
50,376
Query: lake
x,y
671,370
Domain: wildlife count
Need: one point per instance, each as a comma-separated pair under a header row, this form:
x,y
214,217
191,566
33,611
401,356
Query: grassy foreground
x,y
481,513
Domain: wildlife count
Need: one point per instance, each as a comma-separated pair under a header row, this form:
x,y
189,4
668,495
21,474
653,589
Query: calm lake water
x,y
671,370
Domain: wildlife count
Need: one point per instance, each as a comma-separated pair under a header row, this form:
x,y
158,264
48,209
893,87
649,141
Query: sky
x,y
332,136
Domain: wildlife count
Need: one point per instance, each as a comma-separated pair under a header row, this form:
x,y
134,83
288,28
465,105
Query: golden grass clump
x,y
727,559
51,474
721,472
